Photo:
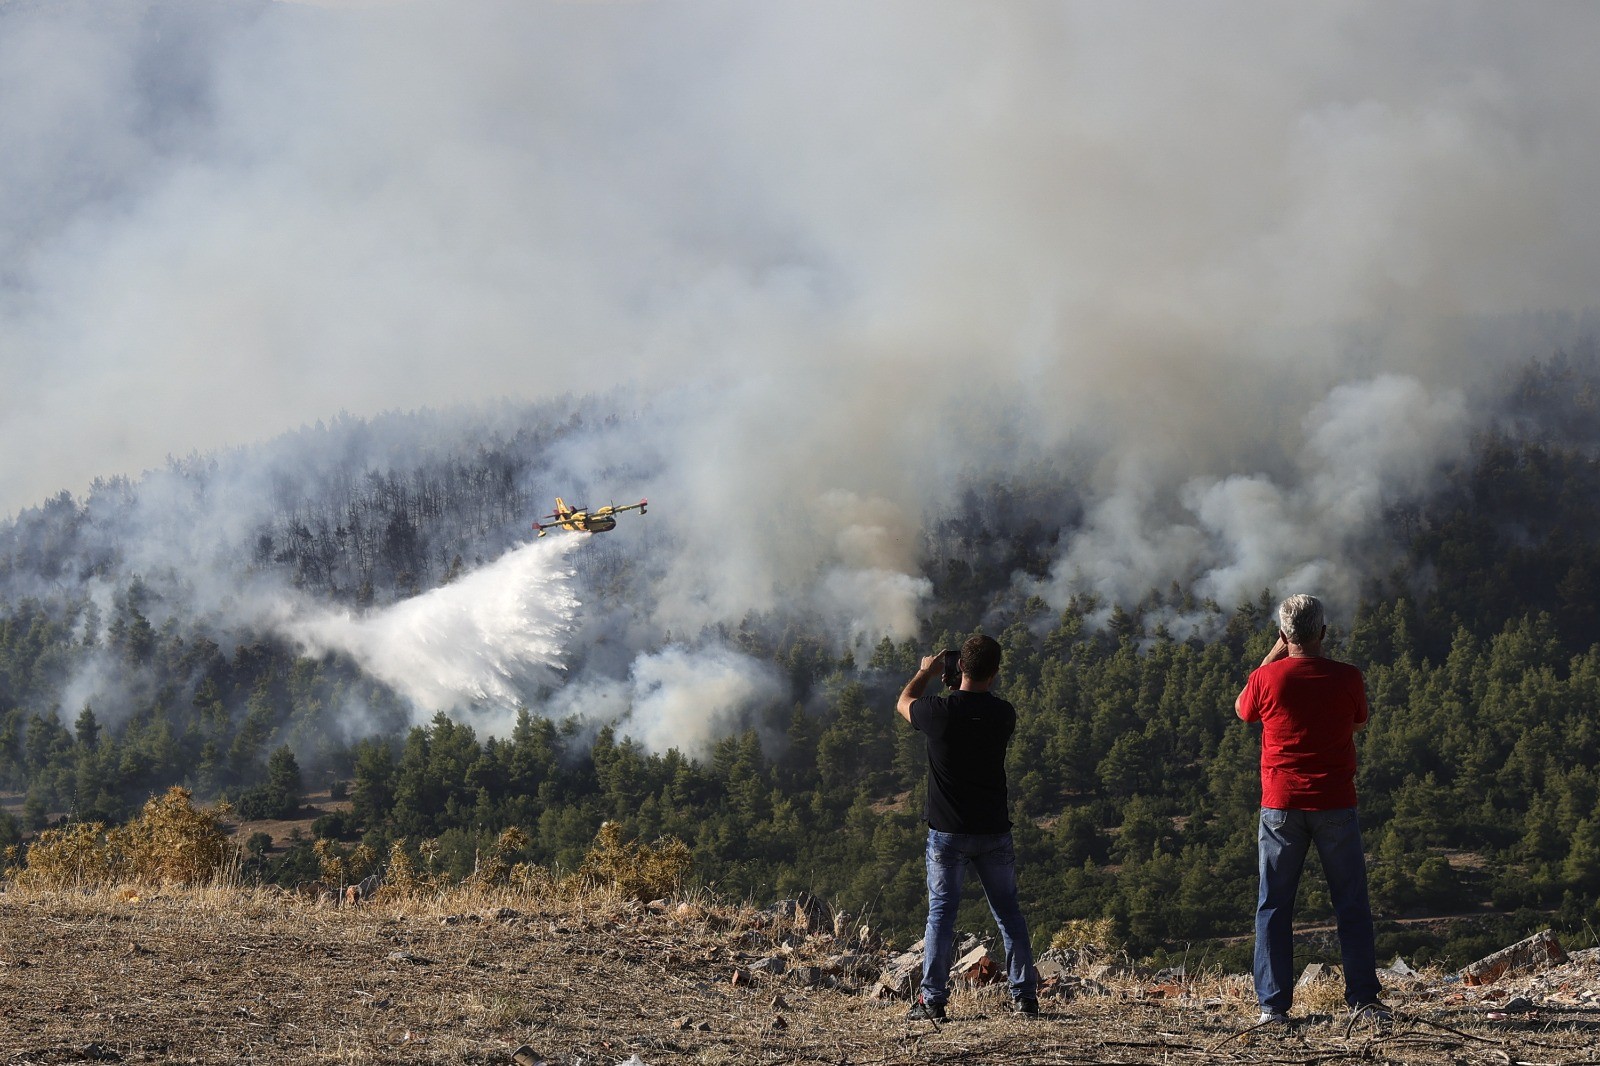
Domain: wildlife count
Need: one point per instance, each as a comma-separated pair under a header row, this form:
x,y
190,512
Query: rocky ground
x,y
230,976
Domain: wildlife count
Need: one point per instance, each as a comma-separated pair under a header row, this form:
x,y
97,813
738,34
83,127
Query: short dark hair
x,y
980,657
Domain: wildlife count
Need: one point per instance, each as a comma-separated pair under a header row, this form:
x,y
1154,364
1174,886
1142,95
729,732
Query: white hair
x,y
1301,618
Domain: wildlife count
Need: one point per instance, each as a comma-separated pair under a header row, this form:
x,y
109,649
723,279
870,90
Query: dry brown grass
x,y
132,945
582,974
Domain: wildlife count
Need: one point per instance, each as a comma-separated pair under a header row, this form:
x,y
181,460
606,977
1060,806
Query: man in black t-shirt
x,y
968,819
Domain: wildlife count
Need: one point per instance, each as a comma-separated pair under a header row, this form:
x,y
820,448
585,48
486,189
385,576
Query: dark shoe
x,y
1027,1006
929,1012
1375,1012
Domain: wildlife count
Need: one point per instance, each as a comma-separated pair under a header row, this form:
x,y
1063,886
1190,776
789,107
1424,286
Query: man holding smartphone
x,y
1310,709
969,822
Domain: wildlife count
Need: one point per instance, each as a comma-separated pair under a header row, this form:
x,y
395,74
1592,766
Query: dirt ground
x,y
230,976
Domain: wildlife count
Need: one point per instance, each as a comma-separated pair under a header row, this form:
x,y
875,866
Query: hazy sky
x,y
1258,255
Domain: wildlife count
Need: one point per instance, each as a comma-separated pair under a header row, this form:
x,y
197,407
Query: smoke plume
x,y
1251,272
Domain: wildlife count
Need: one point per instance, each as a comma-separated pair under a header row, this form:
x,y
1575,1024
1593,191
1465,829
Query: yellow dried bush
x,y
1089,937
76,854
343,867
401,877
495,868
643,871
532,880
171,842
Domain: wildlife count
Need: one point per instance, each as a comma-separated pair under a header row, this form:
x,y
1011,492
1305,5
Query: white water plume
x,y
484,638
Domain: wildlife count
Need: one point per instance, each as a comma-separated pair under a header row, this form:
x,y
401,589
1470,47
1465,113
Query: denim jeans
x,y
994,859
1285,838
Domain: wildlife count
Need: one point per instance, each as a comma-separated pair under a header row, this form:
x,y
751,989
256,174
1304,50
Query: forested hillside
x,y
1134,786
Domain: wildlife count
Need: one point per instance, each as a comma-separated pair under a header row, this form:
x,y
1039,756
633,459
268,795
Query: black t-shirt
x,y
967,736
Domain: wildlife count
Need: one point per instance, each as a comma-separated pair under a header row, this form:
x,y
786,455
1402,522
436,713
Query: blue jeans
x,y
1285,838
995,860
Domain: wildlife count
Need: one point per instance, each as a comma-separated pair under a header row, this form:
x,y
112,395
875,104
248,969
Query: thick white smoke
x,y
1366,447
679,697
1251,266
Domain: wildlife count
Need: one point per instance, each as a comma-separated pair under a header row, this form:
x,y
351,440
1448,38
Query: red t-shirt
x,y
1308,708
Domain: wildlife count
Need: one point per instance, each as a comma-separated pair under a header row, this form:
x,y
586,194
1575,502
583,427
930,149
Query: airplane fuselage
x,y
590,523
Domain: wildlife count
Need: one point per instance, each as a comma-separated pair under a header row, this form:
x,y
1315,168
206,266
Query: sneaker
x,y
1375,1012
931,1012
1027,1005
1270,1016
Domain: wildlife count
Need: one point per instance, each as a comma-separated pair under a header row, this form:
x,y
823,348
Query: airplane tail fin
x,y
561,506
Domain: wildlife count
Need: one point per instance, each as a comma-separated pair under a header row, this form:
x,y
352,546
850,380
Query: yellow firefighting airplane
x,y
583,520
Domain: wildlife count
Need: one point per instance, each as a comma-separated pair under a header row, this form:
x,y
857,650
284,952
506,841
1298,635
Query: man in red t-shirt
x,y
1310,709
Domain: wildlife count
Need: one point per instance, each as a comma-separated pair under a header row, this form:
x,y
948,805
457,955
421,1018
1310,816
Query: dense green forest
x,y
1134,786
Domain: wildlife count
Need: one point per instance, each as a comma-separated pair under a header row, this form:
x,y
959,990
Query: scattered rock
x,y
976,967
407,957
856,966
901,976
808,976
805,914
526,1056
1539,951
1398,968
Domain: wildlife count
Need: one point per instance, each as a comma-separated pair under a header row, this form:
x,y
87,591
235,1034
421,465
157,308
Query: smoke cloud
x,y
1368,447
679,697
1251,270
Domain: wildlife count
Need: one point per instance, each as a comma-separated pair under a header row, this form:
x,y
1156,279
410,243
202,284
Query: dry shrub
x,y
401,877
343,866
174,842
77,854
1089,938
171,842
495,868
530,880
641,871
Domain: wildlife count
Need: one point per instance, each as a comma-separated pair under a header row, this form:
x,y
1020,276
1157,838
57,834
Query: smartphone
x,y
952,668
